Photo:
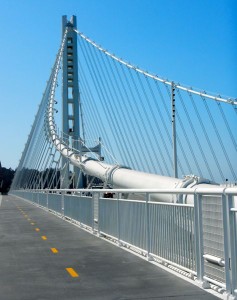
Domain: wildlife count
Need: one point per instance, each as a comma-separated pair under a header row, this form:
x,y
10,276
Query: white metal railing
x,y
172,233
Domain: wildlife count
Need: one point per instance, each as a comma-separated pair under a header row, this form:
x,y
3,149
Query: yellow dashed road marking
x,y
54,250
44,237
72,272
32,223
37,229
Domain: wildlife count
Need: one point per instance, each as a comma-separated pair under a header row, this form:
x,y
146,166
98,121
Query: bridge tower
x,y
70,100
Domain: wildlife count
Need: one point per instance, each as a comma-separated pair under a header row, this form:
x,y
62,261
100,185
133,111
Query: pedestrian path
x,y
43,257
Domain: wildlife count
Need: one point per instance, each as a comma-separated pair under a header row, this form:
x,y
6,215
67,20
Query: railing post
x,y
226,229
233,245
62,203
95,214
47,199
97,217
148,241
198,230
119,195
92,212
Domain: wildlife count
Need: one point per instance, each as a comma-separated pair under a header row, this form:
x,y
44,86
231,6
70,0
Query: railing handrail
x,y
192,191
184,225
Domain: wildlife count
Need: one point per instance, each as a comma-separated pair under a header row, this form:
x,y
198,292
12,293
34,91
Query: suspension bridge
x,y
143,162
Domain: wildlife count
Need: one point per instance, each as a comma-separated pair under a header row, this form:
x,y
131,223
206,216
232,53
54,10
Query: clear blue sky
x,y
191,42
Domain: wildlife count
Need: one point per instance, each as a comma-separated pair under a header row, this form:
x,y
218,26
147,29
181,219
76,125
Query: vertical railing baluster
x,y
98,215
148,241
225,215
233,244
199,240
62,203
119,195
47,199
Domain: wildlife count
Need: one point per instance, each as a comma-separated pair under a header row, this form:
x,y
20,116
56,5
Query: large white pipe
x,y
116,176
121,177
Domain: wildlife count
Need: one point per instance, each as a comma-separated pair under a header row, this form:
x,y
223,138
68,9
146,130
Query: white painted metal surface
x,y
171,233
116,176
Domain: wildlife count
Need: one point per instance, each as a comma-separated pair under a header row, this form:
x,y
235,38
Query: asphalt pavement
x,y
44,257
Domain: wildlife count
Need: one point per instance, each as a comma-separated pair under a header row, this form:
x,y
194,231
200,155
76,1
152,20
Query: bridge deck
x,y
30,269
